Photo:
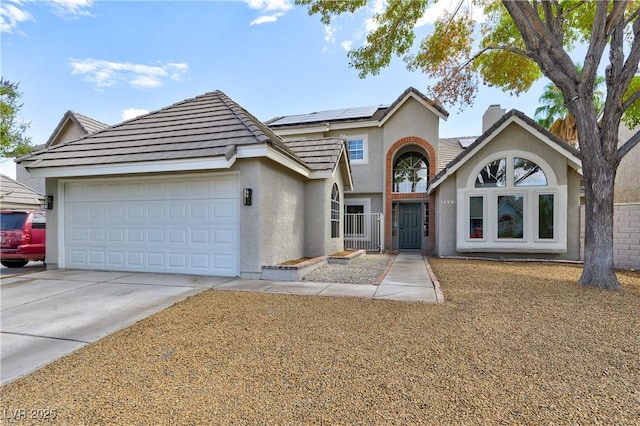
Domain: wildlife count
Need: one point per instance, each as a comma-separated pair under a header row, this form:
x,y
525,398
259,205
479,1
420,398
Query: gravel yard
x,y
367,269
513,343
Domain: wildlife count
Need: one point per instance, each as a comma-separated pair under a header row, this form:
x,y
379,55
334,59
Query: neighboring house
x,y
14,195
513,191
198,187
72,126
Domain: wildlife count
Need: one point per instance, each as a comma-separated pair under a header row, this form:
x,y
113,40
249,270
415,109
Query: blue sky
x,y
111,59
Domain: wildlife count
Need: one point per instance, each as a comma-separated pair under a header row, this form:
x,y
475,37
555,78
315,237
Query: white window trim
x,y
530,243
365,149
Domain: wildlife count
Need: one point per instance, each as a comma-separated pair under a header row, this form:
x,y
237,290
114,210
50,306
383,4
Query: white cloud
x,y
330,33
11,14
104,73
346,45
130,113
266,18
270,10
72,7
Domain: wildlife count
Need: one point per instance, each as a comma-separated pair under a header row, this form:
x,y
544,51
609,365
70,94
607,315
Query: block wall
x,y
626,235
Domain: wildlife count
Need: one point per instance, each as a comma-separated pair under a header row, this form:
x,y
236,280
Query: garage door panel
x,y
178,225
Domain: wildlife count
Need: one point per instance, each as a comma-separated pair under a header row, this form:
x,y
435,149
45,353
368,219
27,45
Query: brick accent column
x,y
390,197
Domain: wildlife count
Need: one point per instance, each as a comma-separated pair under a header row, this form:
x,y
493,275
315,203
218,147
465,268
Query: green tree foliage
x,y
517,44
14,143
554,107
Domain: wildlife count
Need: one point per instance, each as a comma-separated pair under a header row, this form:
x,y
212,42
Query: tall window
x,y
335,212
410,173
512,203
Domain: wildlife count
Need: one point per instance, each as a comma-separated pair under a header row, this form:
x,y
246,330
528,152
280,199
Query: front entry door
x,y
409,225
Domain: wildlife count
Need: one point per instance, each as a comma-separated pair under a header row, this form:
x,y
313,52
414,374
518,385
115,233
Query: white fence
x,y
364,231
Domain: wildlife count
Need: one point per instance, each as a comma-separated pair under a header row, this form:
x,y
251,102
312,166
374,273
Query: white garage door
x,y
170,224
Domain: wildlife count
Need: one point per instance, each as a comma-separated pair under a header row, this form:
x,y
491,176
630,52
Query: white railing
x,y
364,231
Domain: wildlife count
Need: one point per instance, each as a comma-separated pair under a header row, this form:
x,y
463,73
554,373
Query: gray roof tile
x,y
318,154
13,194
208,125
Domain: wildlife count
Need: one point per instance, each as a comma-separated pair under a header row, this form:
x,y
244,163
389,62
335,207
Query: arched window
x,y
512,202
335,212
410,173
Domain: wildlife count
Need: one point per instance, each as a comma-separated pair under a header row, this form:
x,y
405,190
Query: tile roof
x,y
87,125
318,154
513,113
448,149
208,125
13,194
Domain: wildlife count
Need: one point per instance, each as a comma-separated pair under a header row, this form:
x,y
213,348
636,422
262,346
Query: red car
x,y
22,237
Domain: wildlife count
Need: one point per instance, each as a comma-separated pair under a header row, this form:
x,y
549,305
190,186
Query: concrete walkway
x,y
407,280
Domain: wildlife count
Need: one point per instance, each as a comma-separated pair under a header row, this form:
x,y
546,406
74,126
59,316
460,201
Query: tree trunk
x,y
598,268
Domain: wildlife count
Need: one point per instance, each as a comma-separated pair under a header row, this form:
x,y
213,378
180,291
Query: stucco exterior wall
x,y
512,138
367,177
445,220
412,119
25,178
318,217
51,257
627,188
281,206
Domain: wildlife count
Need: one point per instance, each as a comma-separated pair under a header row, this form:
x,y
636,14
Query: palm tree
x,y
554,109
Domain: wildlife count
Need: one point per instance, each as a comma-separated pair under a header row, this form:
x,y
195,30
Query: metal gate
x,y
364,231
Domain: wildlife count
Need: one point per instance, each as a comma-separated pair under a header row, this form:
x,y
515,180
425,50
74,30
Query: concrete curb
x,y
434,279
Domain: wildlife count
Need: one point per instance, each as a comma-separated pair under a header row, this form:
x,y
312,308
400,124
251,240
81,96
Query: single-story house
x,y
17,196
199,187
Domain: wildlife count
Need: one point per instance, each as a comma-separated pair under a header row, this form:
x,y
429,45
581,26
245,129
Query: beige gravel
x,y
514,343
366,269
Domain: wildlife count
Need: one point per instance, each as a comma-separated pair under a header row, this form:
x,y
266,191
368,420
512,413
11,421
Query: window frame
x,y
334,211
530,241
393,172
365,149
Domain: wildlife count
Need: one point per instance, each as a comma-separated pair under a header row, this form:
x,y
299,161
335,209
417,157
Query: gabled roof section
x,y
324,154
414,93
210,125
375,114
318,154
513,116
13,194
86,124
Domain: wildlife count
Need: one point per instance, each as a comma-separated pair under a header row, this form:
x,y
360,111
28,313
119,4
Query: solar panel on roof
x,y
329,115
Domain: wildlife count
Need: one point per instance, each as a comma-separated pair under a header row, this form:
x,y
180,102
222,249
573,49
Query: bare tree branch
x,y
634,97
628,145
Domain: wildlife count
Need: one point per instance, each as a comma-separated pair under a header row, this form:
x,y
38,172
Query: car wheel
x,y
14,263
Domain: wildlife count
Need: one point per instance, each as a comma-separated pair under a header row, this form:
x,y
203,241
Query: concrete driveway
x,y
47,315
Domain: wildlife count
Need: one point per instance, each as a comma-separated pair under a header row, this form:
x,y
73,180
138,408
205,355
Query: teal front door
x,y
409,226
